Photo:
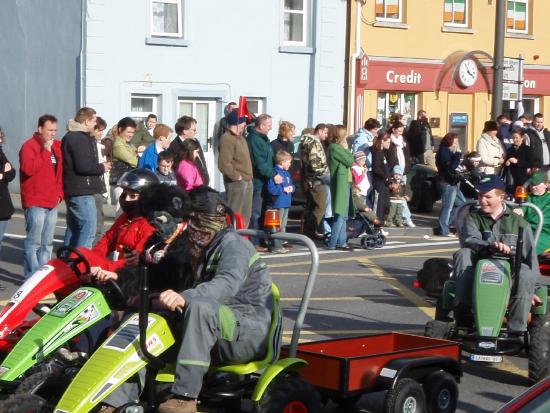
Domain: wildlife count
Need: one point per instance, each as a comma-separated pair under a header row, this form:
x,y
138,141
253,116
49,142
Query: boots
x,y
178,406
106,409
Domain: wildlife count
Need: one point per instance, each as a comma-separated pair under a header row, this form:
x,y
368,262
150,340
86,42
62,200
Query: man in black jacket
x,y
420,138
539,141
82,174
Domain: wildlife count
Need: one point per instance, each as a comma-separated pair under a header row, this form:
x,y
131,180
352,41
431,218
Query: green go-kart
x,y
486,337
43,361
269,385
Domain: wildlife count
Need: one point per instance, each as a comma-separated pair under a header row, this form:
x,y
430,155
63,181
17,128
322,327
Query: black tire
x,y
437,329
25,403
288,391
441,392
406,397
539,343
348,404
44,384
368,242
380,241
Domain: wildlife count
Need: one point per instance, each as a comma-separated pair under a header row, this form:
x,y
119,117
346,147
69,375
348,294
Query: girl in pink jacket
x,y
188,175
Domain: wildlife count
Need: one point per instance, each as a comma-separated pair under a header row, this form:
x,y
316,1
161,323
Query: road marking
x,y
358,258
321,274
17,236
354,298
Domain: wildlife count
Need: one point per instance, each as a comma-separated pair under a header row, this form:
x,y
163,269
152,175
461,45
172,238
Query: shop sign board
x,y
513,78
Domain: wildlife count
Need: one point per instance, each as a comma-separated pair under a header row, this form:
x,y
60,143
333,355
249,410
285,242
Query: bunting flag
x,y
387,9
455,11
243,108
517,15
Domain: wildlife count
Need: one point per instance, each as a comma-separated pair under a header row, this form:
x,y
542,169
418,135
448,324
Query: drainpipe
x,y
81,58
353,61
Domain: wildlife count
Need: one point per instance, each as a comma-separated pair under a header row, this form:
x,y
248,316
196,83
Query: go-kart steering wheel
x,y
64,254
113,294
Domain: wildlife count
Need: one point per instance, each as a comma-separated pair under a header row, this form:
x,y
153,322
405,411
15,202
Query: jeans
x,y
40,227
407,216
339,235
451,198
81,221
3,225
328,212
257,213
99,200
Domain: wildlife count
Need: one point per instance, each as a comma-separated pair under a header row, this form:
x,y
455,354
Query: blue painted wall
x,y
39,67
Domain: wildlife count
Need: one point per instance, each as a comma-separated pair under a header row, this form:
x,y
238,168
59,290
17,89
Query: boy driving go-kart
x,y
227,312
494,227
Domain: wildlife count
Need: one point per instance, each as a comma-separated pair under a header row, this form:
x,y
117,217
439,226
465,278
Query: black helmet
x,y
137,179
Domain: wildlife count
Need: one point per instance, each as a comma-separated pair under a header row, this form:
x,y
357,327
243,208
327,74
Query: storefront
x,y
454,92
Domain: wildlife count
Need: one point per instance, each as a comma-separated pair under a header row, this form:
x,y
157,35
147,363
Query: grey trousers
x,y
520,303
239,198
207,338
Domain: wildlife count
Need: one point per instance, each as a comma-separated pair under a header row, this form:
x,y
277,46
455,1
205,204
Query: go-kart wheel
x,y
380,241
64,253
45,385
349,404
368,242
437,329
406,397
25,403
539,346
441,392
113,294
289,394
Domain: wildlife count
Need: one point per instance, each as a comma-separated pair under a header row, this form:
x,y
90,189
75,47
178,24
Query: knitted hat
x,y
398,169
357,156
233,118
490,125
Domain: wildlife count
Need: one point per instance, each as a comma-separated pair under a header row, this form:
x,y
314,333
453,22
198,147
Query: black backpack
x,y
433,275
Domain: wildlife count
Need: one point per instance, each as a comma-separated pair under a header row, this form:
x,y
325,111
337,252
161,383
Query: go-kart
x,y
485,336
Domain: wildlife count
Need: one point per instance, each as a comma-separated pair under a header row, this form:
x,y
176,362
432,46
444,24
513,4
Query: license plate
x,y
489,359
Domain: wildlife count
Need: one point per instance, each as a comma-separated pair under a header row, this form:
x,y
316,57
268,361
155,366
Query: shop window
x,y
295,22
517,16
531,105
456,13
142,105
256,105
389,10
396,102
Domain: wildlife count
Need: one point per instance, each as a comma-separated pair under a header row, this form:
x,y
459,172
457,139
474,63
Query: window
x,y
516,21
295,22
256,105
142,105
166,18
396,102
456,13
388,10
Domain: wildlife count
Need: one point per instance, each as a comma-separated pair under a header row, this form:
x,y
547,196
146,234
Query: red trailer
x,y
419,373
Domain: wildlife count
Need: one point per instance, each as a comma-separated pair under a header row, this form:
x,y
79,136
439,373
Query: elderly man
x,y
236,167
494,227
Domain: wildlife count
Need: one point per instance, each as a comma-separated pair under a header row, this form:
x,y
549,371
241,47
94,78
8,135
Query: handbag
x,y
119,169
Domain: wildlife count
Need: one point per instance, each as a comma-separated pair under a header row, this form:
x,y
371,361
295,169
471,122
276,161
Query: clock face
x,y
467,73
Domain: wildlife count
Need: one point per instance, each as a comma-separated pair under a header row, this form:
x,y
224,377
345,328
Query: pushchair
x,y
361,228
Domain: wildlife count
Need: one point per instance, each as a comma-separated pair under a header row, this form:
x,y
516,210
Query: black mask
x,y
130,208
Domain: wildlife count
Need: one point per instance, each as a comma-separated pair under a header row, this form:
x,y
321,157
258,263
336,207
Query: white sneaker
x,y
410,224
450,235
384,233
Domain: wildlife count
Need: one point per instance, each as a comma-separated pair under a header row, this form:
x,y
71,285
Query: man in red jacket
x,y
41,191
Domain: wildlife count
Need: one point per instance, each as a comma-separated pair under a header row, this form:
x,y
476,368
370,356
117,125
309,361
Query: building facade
x,y
187,57
436,55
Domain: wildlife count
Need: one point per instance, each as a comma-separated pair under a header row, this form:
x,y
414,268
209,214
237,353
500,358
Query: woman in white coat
x,y
490,149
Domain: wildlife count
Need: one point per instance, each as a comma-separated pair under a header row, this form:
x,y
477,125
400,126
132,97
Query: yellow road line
x,y
355,298
389,254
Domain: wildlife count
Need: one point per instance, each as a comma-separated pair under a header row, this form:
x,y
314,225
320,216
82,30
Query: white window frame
x,y
526,30
261,104
466,14
179,5
390,19
305,26
155,106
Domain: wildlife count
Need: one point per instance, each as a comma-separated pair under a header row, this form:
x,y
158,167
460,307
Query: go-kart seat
x,y
273,343
272,353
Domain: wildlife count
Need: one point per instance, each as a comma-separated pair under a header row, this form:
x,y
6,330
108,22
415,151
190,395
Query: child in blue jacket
x,y
281,194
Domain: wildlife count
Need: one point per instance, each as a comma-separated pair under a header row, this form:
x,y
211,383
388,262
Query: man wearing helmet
x,y
227,312
126,239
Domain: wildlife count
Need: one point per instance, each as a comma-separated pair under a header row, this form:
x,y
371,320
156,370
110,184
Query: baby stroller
x,y
361,228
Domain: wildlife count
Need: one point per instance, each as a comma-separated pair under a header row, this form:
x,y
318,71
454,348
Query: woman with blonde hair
x,y
284,139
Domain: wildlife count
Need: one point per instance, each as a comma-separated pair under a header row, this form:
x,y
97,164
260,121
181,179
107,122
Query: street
x,y
359,292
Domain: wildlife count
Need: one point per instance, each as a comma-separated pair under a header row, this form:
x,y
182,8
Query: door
x,y
204,111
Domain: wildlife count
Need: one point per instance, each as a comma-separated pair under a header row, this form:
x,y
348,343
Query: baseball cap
x,y
490,182
537,178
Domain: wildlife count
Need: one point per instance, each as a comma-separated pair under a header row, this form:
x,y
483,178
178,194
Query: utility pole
x,y
498,58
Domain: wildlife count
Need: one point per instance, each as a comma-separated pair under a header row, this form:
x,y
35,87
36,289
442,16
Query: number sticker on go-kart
x,y
482,357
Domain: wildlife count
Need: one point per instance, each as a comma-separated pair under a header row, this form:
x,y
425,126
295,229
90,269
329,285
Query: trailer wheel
x,y
539,343
25,403
290,394
437,329
441,392
406,397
